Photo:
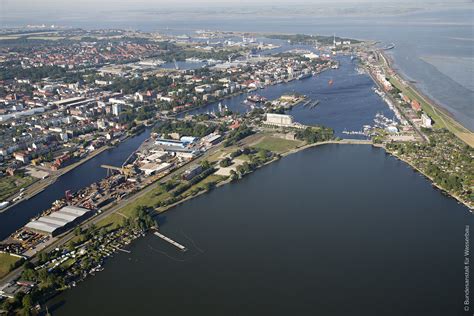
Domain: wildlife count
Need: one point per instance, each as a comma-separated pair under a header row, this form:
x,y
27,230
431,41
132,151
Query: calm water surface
x,y
333,230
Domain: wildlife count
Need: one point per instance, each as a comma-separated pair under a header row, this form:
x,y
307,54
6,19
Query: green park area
x,y
160,196
7,261
277,145
150,199
9,185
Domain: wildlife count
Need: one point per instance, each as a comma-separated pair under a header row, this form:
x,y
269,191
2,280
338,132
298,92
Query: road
x,y
386,66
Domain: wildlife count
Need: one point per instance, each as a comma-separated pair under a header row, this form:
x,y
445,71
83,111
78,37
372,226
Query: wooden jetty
x,y
171,241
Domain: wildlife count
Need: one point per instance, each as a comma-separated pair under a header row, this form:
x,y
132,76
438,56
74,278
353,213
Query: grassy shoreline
x,y
441,116
335,142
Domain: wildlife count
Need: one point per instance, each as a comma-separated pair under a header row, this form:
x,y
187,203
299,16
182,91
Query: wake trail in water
x,y
167,255
192,241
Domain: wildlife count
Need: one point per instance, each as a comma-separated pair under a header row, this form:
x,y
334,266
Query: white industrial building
x,y
426,121
60,221
116,109
155,168
279,119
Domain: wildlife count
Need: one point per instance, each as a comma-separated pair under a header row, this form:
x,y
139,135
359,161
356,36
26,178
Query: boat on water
x,y
378,92
330,82
389,46
255,98
193,60
3,206
222,107
304,76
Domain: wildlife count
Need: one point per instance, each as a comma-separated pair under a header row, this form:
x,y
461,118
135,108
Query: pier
x,y
171,241
306,103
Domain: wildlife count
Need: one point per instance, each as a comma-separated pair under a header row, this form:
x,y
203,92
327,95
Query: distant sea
x,y
434,47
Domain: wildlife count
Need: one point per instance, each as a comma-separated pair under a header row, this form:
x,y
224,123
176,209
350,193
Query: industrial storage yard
x,y
59,221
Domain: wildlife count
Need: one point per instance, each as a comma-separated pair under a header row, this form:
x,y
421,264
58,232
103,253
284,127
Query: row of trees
x,y
33,74
176,188
237,134
185,128
140,219
129,86
256,159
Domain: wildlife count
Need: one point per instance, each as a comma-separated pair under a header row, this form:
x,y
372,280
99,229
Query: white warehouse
x,y
279,119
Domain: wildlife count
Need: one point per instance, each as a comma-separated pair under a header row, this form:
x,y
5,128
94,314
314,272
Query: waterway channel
x,y
78,178
348,103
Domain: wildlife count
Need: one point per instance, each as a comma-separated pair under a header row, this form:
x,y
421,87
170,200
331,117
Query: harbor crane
x,y
125,170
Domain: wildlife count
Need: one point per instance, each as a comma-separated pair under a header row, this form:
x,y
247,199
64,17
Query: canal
x,y
332,230
78,178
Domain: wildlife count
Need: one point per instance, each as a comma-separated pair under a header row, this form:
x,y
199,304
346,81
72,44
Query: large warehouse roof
x,y
41,226
73,210
54,221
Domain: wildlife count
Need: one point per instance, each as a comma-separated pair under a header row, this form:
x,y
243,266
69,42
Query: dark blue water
x,y
78,178
333,230
347,104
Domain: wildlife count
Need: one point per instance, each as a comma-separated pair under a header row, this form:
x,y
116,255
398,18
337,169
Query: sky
x,y
68,4
64,12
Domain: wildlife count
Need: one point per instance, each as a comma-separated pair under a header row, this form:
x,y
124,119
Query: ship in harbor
x,y
389,46
304,76
222,108
195,60
255,98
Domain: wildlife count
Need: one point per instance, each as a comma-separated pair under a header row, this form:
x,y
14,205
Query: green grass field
x,y
439,123
148,200
200,186
277,145
441,120
6,261
11,185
